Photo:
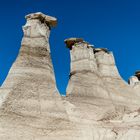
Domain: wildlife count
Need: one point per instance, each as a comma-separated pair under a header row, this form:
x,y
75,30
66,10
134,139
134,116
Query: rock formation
x,y
99,104
103,104
31,107
134,82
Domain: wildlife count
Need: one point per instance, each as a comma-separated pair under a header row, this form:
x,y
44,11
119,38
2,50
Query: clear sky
x,y
112,24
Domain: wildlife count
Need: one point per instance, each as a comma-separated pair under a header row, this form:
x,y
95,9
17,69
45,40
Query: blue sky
x,y
112,24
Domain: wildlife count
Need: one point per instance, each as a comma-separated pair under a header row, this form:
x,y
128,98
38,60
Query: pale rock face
x,y
133,80
91,70
99,105
101,102
30,105
82,58
106,64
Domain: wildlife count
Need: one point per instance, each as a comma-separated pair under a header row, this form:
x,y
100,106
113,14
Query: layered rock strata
x,y
31,107
99,104
97,62
102,102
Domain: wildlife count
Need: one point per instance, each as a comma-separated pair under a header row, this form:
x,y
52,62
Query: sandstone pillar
x,y
31,107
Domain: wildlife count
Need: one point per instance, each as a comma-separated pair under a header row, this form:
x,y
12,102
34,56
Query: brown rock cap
x,y
137,74
71,41
51,21
100,49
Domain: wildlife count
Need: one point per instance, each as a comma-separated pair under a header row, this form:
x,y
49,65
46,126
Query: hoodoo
x,y
103,104
31,82
99,104
31,107
93,70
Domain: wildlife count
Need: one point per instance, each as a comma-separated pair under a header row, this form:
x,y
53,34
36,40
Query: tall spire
x,y
30,103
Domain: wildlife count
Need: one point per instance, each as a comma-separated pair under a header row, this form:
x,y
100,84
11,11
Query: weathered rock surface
x,y
107,107
31,107
134,82
99,105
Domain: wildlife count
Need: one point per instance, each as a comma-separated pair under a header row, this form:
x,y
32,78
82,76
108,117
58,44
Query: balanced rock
x,y
30,105
71,41
99,104
103,104
50,21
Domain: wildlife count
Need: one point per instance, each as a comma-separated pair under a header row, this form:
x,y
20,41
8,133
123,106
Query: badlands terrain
x,y
99,104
